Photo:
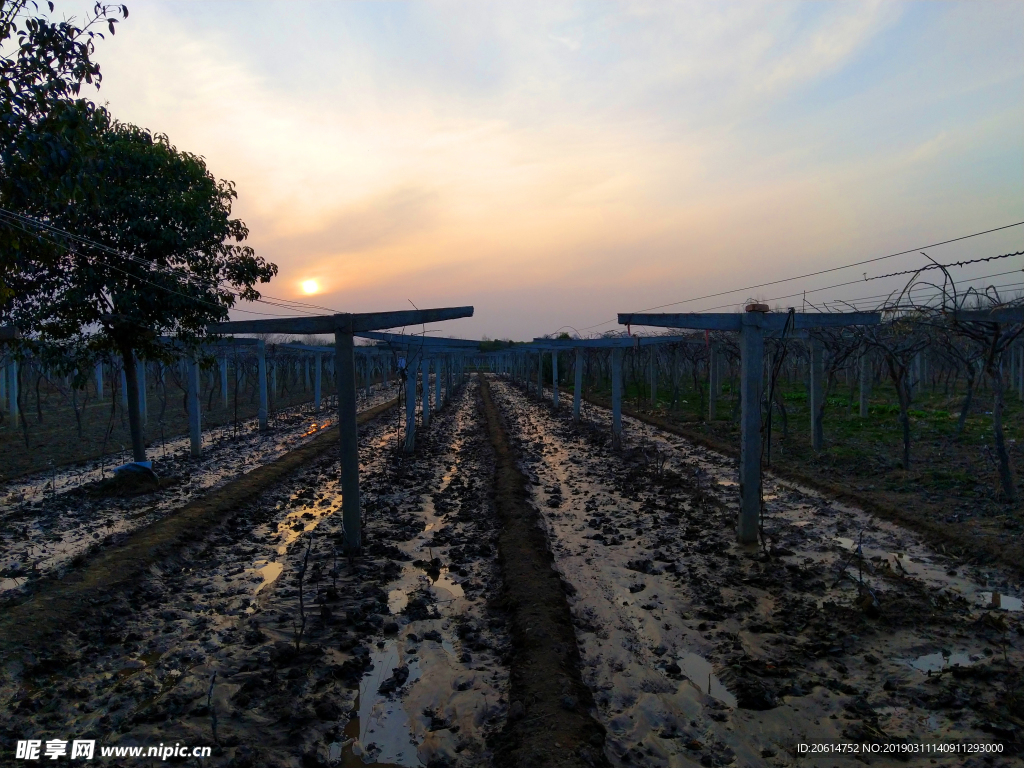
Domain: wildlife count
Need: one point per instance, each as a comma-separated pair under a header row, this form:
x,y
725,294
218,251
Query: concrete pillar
x,y
317,378
369,375
195,428
675,377
653,365
816,395
714,372
99,379
577,392
438,365
425,370
261,375
124,388
224,380
865,383
410,407
1020,371
616,398
554,378
12,391
348,443
273,378
751,375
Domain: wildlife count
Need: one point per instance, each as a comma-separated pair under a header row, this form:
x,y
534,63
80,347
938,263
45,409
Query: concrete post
x,y
317,379
577,392
617,398
410,407
224,380
713,382
261,375
12,391
99,379
348,443
816,395
369,376
124,388
675,378
865,383
554,378
425,370
1020,371
438,364
653,365
195,428
751,375
273,378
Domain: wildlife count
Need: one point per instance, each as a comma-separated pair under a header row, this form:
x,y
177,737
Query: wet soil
x,y
526,596
550,720
261,638
844,628
941,497
50,435
55,520
56,601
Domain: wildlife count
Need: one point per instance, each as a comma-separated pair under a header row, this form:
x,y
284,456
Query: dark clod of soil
x,y
542,728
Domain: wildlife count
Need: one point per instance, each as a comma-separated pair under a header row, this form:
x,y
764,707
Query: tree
x,y
47,130
899,342
153,259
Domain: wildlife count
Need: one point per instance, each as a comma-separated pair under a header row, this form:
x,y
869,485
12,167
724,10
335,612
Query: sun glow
x,y
310,286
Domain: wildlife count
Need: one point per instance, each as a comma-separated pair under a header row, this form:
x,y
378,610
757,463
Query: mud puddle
x,y
842,628
289,682
47,520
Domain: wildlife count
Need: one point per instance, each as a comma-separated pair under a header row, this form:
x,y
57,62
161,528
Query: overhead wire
x,y
16,218
818,272
149,282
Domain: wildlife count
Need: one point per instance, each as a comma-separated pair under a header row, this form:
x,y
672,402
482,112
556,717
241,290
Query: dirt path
x,y
56,602
700,651
549,717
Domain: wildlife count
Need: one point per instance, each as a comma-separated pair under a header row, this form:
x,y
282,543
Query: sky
x,y
553,163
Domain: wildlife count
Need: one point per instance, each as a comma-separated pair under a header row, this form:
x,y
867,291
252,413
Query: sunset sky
x,y
555,163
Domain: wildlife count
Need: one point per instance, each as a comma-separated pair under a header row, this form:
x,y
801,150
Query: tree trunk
x,y
968,397
780,404
134,413
1005,473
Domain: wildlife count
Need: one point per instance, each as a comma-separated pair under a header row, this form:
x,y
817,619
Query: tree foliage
x,y
47,129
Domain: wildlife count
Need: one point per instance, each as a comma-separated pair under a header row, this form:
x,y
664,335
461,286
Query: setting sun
x,y
310,286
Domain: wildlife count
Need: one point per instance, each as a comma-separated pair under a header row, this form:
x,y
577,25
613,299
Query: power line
x,y
892,274
168,269
819,272
21,227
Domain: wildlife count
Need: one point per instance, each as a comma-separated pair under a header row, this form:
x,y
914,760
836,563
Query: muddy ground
x,y
680,647
50,519
699,650
60,427
951,492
